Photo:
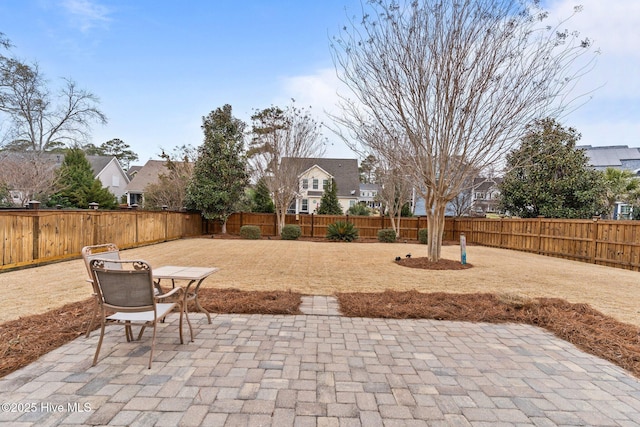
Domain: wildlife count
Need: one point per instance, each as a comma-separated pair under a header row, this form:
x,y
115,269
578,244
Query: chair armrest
x,y
172,292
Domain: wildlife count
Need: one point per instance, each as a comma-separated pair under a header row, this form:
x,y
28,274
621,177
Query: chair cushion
x,y
143,316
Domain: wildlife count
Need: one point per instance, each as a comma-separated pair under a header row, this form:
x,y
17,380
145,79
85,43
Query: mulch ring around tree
x,y
424,263
24,340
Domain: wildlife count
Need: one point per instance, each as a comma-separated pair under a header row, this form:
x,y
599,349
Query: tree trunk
x,y
280,217
224,226
395,222
435,230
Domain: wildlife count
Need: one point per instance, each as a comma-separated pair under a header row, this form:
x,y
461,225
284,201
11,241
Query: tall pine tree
x,y
329,204
220,173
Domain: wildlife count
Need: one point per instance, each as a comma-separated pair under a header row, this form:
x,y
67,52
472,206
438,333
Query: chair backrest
x,y
108,251
123,285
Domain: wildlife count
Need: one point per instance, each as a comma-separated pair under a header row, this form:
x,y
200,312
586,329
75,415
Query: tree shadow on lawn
x,y
24,340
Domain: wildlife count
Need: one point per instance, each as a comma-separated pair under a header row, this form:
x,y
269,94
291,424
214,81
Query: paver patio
x,y
324,370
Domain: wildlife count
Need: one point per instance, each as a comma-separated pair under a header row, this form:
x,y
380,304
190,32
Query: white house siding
x,y
310,194
114,178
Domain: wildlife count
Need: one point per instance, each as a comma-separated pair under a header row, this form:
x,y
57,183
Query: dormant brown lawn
x,y
324,268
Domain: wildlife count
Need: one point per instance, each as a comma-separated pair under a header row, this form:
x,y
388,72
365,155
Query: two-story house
x,y
315,176
369,195
485,196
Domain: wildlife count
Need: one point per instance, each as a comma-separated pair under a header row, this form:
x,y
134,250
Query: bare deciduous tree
x,y
170,189
39,120
395,191
460,79
280,139
28,175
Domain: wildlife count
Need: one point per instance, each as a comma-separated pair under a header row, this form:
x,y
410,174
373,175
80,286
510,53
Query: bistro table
x,y
193,275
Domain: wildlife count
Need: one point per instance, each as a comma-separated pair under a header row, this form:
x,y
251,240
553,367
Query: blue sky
x,y
158,66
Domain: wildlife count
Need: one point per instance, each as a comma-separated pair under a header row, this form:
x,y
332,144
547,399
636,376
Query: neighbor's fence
x,y
604,242
30,237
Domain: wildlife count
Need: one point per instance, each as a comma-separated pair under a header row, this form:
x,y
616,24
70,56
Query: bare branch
x,y
281,138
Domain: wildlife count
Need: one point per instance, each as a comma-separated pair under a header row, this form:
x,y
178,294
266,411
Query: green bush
x,y
387,235
342,230
290,232
359,209
250,232
422,236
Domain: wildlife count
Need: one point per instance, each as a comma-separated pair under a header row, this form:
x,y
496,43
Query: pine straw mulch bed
x,y
24,340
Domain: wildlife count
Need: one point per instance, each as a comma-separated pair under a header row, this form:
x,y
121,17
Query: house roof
x,y
485,184
610,156
344,172
132,171
369,187
98,163
147,174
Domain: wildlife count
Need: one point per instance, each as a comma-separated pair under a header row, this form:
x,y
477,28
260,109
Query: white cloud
x,y
318,90
86,14
612,26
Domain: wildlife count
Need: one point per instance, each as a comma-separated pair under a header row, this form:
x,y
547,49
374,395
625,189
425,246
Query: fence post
x,y
311,224
275,224
594,241
540,234
36,236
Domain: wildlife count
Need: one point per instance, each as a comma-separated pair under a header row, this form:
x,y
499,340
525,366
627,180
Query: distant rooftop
x,y
615,156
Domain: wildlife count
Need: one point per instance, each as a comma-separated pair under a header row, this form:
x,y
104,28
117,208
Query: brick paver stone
x,y
321,369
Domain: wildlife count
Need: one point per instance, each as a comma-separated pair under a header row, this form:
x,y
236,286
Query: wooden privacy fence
x,y
31,237
316,225
604,242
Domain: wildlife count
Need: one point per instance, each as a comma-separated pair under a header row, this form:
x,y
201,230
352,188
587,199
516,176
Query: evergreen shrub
x,y
422,236
250,232
387,235
291,232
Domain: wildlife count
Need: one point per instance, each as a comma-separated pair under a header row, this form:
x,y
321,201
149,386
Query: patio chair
x,y
126,296
105,251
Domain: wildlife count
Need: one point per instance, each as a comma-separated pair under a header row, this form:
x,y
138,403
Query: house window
x,y
479,196
315,184
305,184
115,181
305,205
325,183
352,203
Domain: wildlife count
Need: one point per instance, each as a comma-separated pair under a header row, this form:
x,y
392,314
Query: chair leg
x,y
128,332
141,331
180,325
153,342
93,318
95,357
